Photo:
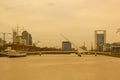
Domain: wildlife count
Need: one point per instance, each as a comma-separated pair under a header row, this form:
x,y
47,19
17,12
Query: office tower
x,y
30,39
100,39
27,37
15,39
66,45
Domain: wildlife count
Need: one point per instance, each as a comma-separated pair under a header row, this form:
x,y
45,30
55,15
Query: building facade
x,y
15,40
30,39
26,36
115,49
100,39
66,45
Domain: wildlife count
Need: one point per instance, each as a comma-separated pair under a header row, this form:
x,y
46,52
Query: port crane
x,y
80,50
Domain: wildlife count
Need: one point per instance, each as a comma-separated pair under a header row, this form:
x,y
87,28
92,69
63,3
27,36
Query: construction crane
x,y
4,36
80,50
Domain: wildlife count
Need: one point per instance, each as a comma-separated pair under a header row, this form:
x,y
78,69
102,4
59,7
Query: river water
x,y
60,67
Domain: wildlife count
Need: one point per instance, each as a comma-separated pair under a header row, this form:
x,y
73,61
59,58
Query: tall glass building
x,y
100,39
66,45
27,37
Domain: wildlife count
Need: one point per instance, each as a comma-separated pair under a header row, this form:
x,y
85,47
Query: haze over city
x,y
76,19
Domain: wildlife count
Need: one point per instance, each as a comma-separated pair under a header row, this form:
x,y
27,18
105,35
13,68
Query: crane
x,y
80,50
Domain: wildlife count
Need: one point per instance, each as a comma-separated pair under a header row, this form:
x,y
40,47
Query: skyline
x,y
76,19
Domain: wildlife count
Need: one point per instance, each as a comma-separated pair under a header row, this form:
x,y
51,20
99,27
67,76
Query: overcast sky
x,y
47,19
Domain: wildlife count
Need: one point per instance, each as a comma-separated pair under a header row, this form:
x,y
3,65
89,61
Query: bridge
x,y
69,52
52,52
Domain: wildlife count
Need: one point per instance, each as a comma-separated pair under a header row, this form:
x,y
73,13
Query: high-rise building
x,y
30,39
100,39
15,38
66,45
27,37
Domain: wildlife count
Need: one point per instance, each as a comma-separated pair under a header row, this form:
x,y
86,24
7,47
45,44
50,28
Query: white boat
x,y
13,53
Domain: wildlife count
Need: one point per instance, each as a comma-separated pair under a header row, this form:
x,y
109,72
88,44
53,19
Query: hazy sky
x,y
76,19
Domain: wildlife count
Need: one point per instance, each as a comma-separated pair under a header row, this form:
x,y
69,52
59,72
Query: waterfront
x,y
60,67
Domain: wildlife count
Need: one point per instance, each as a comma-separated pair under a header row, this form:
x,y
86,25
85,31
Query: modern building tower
x,y
27,37
66,45
100,39
15,40
30,39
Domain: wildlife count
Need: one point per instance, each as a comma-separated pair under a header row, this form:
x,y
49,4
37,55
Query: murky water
x,y
60,67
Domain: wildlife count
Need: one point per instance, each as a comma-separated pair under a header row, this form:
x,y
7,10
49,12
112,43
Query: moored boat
x,y
13,53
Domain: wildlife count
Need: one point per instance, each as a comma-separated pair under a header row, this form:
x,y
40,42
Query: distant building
x,y
107,47
1,42
26,36
66,45
116,44
21,41
30,39
100,39
15,38
115,49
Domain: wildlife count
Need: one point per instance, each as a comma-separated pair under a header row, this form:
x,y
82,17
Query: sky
x,y
47,19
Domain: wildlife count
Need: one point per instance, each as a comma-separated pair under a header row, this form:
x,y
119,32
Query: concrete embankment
x,y
117,54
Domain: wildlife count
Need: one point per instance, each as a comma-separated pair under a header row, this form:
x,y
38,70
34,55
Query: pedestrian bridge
x,y
52,52
68,52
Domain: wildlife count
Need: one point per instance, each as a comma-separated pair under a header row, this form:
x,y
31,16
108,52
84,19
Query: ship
x,y
14,53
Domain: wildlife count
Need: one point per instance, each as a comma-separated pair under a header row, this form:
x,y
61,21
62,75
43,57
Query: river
x,y
60,67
